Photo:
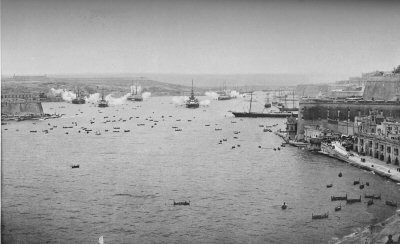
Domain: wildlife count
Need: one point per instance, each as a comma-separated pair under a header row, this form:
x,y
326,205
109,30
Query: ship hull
x,y
196,105
78,101
102,105
224,98
262,115
135,99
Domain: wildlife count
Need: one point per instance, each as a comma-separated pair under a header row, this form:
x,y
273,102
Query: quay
x,y
336,150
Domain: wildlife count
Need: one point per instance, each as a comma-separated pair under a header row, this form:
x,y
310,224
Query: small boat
x,y
391,203
33,131
356,182
340,174
329,186
126,130
339,198
320,216
184,203
370,202
378,197
75,166
284,206
338,208
353,200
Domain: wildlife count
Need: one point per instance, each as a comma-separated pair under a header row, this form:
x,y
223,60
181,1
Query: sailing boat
x,y
134,95
261,115
102,102
192,102
224,94
79,99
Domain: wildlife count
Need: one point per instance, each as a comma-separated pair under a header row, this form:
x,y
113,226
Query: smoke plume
x,y
66,95
179,100
93,98
212,95
205,102
116,100
146,95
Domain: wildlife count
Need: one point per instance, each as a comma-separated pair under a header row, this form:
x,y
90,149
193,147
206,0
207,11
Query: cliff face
x,y
21,108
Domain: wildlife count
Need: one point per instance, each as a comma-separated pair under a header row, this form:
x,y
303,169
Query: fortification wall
x,y
21,108
379,89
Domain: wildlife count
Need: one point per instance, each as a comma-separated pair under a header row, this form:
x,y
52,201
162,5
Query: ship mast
x,y
251,100
192,94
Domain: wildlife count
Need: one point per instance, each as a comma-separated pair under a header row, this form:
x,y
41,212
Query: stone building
x,y
291,127
383,144
339,115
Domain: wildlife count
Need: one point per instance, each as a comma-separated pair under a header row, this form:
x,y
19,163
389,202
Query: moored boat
x,y
79,98
339,198
135,96
192,102
378,197
391,203
320,216
102,102
353,200
183,203
251,114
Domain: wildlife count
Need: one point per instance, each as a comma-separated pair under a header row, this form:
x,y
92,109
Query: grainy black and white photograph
x,y
188,121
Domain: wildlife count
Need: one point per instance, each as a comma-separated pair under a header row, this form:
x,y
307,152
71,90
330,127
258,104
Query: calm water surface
x,y
127,181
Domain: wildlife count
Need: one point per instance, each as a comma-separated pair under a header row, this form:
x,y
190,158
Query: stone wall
x,y
21,108
386,90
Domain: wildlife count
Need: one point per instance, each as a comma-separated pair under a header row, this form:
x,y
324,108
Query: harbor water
x,y
129,177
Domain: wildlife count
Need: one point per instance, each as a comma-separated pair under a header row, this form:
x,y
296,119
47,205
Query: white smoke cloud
x,y
234,93
205,102
180,100
116,100
212,95
93,98
66,95
146,95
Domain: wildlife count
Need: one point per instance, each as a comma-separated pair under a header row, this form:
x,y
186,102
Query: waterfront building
x,y
291,127
339,115
381,141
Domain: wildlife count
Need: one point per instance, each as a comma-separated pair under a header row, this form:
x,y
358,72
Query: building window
x,y
388,149
396,151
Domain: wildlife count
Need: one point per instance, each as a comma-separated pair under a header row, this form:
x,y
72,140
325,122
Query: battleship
x,y
192,102
251,114
102,102
134,95
79,98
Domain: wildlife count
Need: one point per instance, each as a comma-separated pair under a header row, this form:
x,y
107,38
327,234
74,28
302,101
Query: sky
x,y
202,37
